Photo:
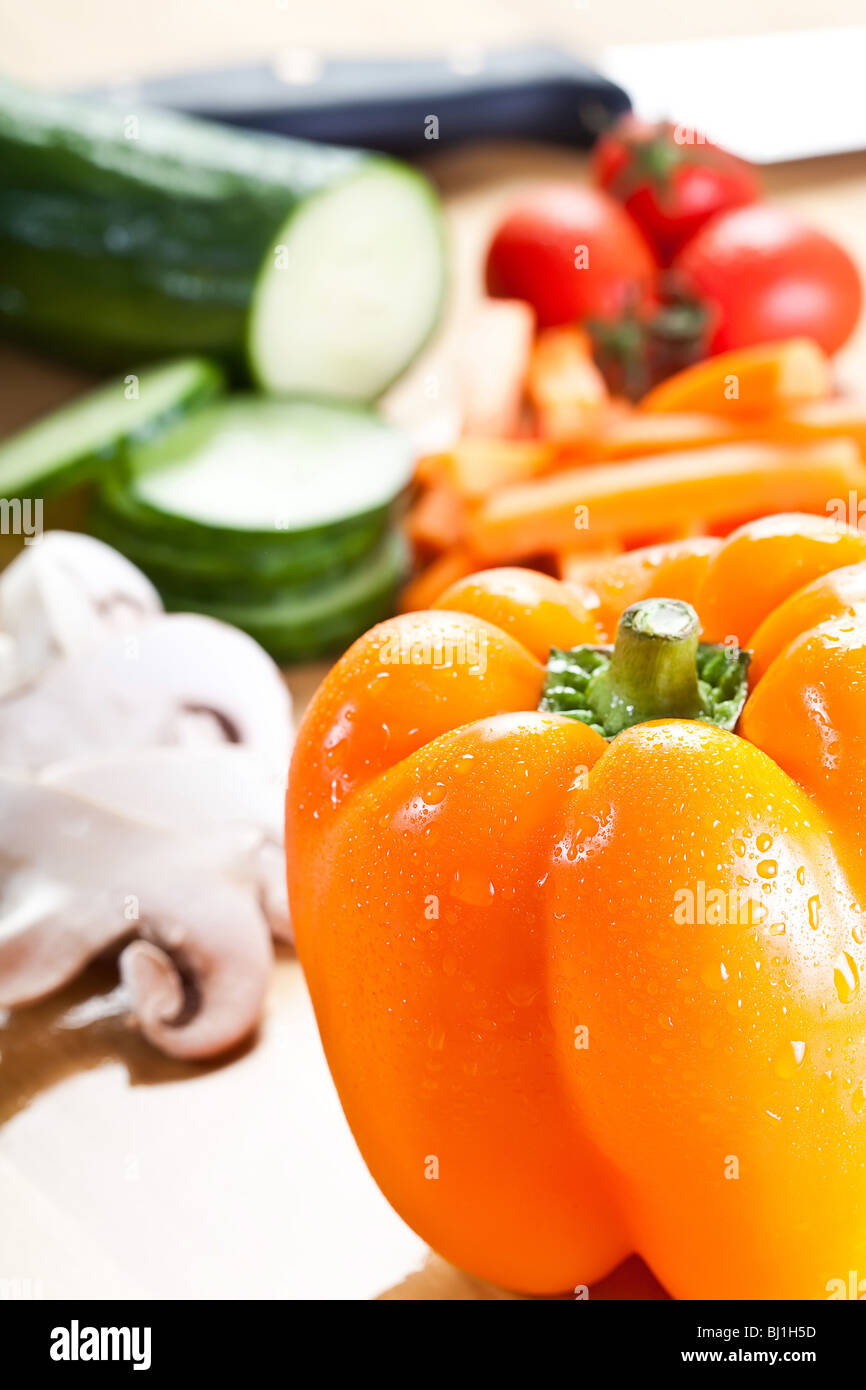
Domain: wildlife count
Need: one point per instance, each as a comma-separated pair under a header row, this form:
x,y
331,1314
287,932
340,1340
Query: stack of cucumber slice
x,y
275,515
305,270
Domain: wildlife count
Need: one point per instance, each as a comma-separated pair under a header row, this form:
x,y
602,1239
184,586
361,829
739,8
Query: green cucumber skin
x,y
326,619
113,246
294,553
216,570
95,312
207,381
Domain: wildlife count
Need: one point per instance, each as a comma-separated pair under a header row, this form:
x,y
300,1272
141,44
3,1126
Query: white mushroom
x,y
196,790
8,664
60,596
161,745
176,679
77,878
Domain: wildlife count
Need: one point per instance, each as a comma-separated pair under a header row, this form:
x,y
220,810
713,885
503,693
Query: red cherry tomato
x,y
670,180
770,277
572,253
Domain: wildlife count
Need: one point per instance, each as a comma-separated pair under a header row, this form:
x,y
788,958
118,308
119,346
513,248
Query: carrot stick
x,y
641,433
564,385
638,434
583,507
476,467
748,382
426,587
432,469
818,420
436,520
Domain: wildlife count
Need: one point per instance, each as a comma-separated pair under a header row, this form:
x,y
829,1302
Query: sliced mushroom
x,y
177,679
61,595
8,664
196,790
76,878
163,819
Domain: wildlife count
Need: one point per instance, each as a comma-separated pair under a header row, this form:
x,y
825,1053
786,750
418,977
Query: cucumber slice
x,y
212,569
303,626
75,443
271,468
338,262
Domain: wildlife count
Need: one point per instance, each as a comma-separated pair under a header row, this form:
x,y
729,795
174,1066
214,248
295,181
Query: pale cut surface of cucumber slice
x,y
353,287
72,444
252,464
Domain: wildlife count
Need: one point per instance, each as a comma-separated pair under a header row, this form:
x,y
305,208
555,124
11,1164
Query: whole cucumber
x,y
127,235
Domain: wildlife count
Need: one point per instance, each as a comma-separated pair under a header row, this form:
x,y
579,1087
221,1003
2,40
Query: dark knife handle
x,y
405,106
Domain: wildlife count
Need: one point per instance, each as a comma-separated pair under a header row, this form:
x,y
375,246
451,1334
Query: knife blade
x,y
400,105
766,97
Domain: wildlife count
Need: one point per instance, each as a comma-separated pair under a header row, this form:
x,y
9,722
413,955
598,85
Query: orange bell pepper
x,y
543,612
586,963
424,589
673,569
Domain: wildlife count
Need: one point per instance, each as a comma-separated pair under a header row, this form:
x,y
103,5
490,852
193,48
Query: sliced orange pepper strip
x,y
818,420
436,520
477,467
636,434
583,507
426,587
748,381
564,385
